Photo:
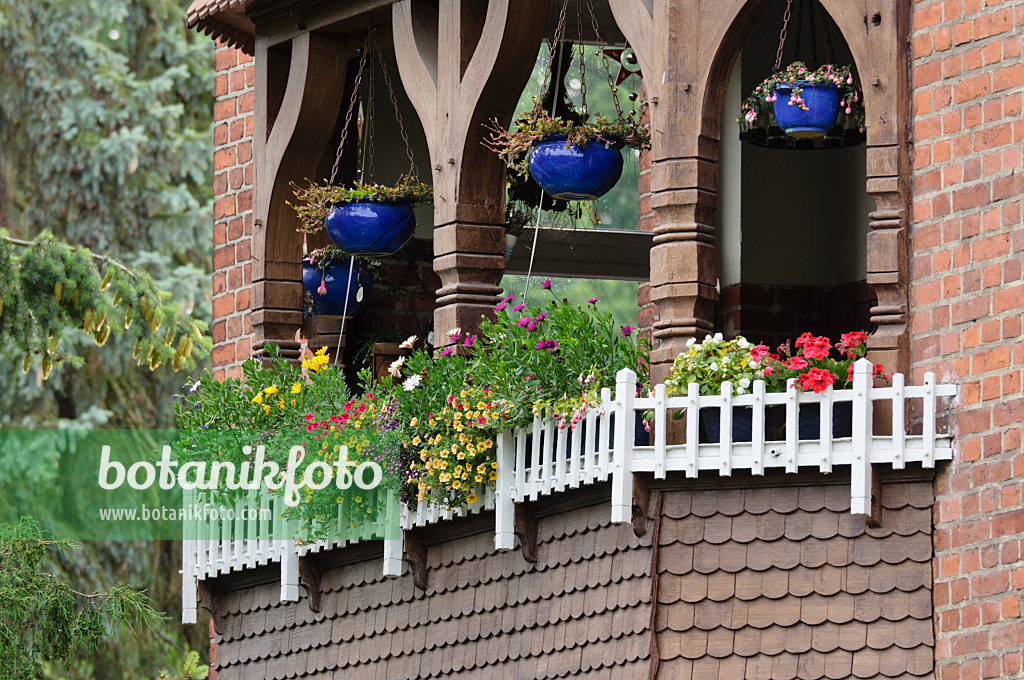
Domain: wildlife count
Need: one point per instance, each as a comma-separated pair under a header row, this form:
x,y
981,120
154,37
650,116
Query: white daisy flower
x,y
412,382
395,368
409,342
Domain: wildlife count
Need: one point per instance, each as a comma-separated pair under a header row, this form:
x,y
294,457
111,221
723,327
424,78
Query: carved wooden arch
x,y
686,50
287,151
462,63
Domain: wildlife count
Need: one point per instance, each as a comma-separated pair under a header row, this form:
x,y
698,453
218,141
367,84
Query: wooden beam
x,y
585,253
285,21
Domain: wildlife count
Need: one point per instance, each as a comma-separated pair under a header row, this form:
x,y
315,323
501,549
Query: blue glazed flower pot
x,y
575,173
370,227
822,102
334,278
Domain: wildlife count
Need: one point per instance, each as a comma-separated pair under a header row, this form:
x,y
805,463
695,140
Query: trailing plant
x,y
316,200
535,125
49,289
759,102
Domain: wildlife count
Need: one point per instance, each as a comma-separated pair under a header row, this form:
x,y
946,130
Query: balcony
x,y
544,460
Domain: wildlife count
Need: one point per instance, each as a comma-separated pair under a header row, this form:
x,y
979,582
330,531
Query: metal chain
x,y
604,59
782,35
799,27
371,114
351,107
559,28
814,41
830,52
398,114
582,50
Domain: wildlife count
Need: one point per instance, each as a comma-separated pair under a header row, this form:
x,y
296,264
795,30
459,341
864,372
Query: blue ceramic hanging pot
x,y
327,288
822,102
371,227
575,173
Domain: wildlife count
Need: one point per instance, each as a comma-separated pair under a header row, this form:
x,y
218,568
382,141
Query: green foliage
x,y
42,619
191,669
553,360
50,288
316,200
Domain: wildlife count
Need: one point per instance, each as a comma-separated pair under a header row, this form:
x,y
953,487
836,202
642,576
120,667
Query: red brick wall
x,y
967,299
232,212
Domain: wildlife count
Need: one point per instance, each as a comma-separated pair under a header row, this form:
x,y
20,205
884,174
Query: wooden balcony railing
x,y
542,460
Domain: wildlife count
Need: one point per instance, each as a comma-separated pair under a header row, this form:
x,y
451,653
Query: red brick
x,y
1000,135
225,59
992,24
223,257
224,109
223,158
972,88
223,305
223,355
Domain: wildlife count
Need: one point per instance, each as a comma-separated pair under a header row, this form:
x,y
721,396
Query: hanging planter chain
x,y
782,35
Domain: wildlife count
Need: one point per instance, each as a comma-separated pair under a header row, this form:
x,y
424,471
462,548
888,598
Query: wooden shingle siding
x,y
768,579
783,582
582,609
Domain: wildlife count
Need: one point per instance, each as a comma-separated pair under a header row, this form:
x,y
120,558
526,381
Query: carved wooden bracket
x,y
641,501
526,530
209,602
416,556
287,146
309,579
463,62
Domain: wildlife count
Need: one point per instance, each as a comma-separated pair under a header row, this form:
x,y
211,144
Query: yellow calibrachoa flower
x,y
414,422
296,388
258,399
272,390
471,498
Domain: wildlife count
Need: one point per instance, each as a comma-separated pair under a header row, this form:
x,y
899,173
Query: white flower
x,y
412,382
409,342
395,368
742,342
744,383
740,390
195,386
707,338
454,331
755,364
714,366
690,342
718,337
725,359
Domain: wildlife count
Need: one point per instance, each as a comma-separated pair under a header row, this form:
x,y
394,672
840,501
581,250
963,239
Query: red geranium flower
x,y
817,347
797,363
817,379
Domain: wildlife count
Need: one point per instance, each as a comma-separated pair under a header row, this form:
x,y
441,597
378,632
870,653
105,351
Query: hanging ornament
x,y
628,63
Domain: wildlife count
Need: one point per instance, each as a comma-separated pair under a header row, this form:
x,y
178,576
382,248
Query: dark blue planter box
x,y
575,173
370,227
822,102
742,424
810,420
335,278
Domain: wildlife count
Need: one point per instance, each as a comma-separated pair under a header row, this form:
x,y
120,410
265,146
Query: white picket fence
x,y
542,459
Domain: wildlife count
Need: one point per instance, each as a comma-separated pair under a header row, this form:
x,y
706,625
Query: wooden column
x,y
294,121
463,62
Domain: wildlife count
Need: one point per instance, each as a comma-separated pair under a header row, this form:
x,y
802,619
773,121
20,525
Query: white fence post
x,y
189,579
725,431
622,473
692,431
289,572
393,547
660,433
929,420
860,469
504,506
757,432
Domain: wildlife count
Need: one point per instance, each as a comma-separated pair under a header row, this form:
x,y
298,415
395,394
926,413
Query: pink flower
x,y
546,344
309,417
817,379
627,331
469,341
532,326
523,321
518,308
322,290
797,363
540,317
447,350
508,298
593,300
500,306
546,285
757,353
